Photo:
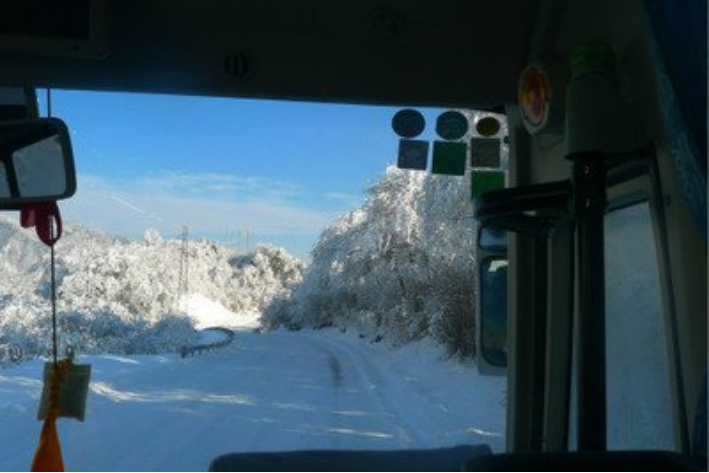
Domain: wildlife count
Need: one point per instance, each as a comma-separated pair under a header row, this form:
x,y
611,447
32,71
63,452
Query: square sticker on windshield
x,y
449,158
484,181
413,154
485,152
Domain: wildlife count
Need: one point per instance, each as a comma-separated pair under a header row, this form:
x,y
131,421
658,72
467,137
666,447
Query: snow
x,y
124,297
206,313
272,391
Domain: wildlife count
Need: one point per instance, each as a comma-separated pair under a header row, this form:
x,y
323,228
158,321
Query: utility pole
x,y
240,239
183,280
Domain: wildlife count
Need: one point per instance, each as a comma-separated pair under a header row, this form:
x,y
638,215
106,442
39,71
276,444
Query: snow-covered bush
x,y
260,276
400,267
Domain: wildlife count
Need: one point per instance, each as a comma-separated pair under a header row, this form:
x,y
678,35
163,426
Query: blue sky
x,y
284,170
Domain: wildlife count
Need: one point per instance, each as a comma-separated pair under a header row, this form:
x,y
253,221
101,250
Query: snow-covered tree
x,y
122,296
399,267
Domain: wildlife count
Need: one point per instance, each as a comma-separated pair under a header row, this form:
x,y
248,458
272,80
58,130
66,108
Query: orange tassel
x,y
49,454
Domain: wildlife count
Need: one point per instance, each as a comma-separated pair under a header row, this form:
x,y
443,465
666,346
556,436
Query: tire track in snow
x,y
370,381
401,388
335,371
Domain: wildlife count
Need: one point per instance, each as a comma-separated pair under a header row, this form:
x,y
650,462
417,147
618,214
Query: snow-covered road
x,y
272,391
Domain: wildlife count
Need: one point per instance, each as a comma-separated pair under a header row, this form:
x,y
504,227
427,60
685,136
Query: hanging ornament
x,y
65,384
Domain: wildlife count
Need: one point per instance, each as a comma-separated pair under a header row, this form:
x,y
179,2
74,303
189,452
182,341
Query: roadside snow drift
x,y
206,313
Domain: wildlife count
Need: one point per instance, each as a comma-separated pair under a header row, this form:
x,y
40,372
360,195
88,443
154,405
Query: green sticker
x,y
484,181
449,158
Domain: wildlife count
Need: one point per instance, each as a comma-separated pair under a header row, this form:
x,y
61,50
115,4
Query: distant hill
x,y
122,296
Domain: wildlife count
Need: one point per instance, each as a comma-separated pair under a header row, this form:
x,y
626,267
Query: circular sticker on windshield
x,y
487,126
408,123
452,125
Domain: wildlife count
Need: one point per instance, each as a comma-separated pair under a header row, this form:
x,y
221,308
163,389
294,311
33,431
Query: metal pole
x,y
589,208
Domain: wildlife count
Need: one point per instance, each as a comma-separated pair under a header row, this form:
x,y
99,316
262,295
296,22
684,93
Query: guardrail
x,y
200,348
11,354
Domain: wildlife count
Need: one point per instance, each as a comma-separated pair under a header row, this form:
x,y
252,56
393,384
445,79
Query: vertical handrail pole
x,y
589,209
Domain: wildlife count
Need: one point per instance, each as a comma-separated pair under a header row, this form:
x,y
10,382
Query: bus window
x,y
638,374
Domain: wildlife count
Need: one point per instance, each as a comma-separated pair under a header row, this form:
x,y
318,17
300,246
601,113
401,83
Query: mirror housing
x,y
36,162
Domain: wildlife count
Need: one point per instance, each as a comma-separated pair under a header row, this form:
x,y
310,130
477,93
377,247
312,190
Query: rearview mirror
x,y
36,162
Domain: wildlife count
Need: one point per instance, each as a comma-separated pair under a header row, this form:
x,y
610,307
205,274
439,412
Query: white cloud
x,y
207,203
221,185
350,200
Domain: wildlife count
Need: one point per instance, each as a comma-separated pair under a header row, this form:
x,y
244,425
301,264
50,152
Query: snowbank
x,y
206,313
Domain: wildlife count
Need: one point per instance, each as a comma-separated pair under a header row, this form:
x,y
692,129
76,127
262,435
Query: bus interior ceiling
x,y
398,52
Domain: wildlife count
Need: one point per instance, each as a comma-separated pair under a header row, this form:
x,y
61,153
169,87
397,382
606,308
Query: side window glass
x,y
639,398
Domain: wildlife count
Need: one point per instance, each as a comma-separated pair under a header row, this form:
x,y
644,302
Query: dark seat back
x,y
441,459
